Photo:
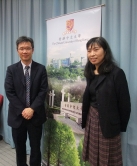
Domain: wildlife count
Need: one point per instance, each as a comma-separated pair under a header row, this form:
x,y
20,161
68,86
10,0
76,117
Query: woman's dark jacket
x,y
113,101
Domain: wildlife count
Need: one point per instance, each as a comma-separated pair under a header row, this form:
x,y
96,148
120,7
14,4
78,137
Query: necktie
x,y
27,79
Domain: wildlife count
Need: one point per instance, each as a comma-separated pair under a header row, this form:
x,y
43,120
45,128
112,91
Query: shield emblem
x,y
70,24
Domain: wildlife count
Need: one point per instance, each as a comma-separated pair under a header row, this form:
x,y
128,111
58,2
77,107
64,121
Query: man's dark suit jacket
x,y
15,91
113,102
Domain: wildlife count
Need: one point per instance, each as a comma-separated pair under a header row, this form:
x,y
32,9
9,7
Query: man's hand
x,y
27,113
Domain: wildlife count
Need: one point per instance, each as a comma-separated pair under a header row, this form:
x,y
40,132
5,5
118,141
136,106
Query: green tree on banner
x,y
80,148
59,145
49,131
64,73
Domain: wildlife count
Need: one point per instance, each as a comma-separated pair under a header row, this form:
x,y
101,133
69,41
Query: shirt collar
x,y
25,65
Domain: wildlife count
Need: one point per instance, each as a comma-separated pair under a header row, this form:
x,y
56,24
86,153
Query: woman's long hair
x,y
108,62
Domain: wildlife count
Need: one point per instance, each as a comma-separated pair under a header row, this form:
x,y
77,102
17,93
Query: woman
x,y
106,106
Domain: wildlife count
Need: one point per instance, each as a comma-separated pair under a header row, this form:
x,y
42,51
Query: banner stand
x,y
66,59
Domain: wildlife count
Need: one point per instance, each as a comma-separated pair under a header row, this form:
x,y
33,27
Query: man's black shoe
x,y
1,138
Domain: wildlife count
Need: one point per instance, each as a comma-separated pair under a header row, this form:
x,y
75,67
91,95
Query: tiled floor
x,y
7,155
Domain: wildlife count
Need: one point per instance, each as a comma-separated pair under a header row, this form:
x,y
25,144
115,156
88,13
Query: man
x,y
26,89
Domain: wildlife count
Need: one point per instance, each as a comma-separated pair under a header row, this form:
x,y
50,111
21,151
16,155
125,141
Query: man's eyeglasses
x,y
27,49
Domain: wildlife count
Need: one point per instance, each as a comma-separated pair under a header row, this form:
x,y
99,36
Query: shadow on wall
x,y
1,103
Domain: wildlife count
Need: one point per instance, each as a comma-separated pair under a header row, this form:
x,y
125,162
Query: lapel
x,y
20,72
34,70
101,78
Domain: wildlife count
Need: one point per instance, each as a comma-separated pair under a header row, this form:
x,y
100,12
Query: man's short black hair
x,y
24,39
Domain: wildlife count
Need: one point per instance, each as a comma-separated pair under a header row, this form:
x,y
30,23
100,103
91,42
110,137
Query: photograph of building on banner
x,y
66,59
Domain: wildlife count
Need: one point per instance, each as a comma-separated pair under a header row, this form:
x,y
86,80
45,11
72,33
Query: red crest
x,y
70,24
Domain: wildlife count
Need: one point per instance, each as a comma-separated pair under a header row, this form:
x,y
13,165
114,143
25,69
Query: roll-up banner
x,y
67,36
